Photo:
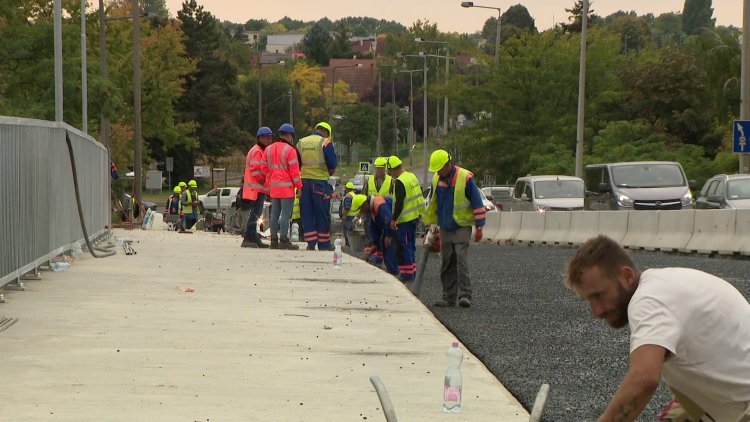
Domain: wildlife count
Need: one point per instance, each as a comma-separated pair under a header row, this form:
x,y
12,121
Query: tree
x,y
575,18
316,44
518,16
306,82
340,47
697,16
212,93
667,29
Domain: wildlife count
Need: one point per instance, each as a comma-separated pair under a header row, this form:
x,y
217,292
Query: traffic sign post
x,y
364,166
741,133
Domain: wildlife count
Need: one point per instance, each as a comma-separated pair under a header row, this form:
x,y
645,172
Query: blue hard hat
x,y
286,128
264,131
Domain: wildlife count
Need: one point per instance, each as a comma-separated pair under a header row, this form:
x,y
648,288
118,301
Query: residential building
x,y
361,80
284,43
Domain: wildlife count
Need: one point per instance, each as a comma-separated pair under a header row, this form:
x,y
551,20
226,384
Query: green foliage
x,y
697,16
340,47
316,44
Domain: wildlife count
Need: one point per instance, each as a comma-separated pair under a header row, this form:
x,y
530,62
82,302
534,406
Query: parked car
x,y
643,185
360,181
488,205
222,196
500,196
547,193
725,191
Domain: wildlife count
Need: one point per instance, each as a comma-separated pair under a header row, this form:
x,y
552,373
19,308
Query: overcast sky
x,y
448,14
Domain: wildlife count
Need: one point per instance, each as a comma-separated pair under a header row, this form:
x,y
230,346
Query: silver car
x,y
725,191
547,193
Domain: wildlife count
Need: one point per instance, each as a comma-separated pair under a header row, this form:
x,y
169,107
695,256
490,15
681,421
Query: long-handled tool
x,y
431,244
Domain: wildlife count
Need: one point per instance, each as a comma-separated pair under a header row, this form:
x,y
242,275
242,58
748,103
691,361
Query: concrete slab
x,y
265,336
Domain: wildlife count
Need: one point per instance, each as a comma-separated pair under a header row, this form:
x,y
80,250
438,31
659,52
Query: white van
x,y
547,193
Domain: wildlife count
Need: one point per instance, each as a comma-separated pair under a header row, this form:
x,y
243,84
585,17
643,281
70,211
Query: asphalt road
x,y
528,329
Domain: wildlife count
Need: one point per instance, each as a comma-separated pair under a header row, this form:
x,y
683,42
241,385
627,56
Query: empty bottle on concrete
x,y
295,232
452,387
338,255
59,267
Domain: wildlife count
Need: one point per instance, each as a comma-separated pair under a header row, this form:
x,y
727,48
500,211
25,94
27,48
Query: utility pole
x,y
136,15
84,73
425,159
291,108
395,124
379,145
104,68
745,78
58,62
582,91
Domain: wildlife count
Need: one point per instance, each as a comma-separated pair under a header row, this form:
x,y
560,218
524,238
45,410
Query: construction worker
x,y
347,219
383,236
183,187
281,168
254,187
189,203
172,208
456,205
318,164
379,184
408,207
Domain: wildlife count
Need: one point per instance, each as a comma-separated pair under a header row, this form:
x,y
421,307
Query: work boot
x,y
444,303
464,302
310,247
248,244
328,248
287,245
261,245
274,243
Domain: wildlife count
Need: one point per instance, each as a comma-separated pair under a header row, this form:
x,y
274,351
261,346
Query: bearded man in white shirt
x,y
687,326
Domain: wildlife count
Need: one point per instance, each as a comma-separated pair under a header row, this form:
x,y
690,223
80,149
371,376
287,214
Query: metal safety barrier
x,y
40,217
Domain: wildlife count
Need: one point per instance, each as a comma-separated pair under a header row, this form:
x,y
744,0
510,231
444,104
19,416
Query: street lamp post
x,y
411,113
137,155
84,73
745,78
447,59
499,16
379,143
581,91
260,88
104,68
333,83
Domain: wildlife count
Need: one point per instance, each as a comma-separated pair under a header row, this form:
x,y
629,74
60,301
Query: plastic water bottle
x,y
59,267
452,391
338,255
295,232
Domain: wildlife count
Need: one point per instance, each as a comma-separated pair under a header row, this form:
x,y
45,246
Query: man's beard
x,y
620,311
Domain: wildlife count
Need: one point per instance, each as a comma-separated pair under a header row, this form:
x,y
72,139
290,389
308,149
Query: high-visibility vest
x,y
283,170
252,183
413,201
463,214
386,188
187,205
313,160
295,209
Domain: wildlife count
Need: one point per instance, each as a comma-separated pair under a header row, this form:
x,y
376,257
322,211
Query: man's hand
x,y
478,234
387,241
298,194
638,386
393,225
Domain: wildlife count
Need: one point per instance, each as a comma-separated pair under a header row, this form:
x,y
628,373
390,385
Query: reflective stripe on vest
x,y
313,160
413,201
188,207
385,187
462,211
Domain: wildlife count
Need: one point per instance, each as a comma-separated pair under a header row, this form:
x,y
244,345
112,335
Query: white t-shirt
x,y
705,323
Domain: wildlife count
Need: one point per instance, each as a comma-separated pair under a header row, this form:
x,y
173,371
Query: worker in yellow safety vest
x,y
189,203
408,207
318,164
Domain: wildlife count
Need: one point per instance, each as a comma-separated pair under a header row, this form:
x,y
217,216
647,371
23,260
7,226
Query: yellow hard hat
x,y
327,127
177,189
182,184
357,202
394,162
193,184
381,162
438,159
349,185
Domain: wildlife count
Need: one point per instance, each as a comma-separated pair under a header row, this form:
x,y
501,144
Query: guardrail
x,y
725,232
37,198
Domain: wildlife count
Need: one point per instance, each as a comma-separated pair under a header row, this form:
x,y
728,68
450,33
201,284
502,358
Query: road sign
x,y
741,134
170,164
364,166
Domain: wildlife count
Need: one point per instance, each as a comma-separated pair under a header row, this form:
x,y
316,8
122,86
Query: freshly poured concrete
x,y
265,336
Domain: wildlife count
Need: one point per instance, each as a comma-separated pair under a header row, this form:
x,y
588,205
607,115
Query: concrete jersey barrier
x,y
674,231
556,228
532,227
641,230
713,231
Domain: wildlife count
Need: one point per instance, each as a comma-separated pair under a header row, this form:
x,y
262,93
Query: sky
x,y
448,14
